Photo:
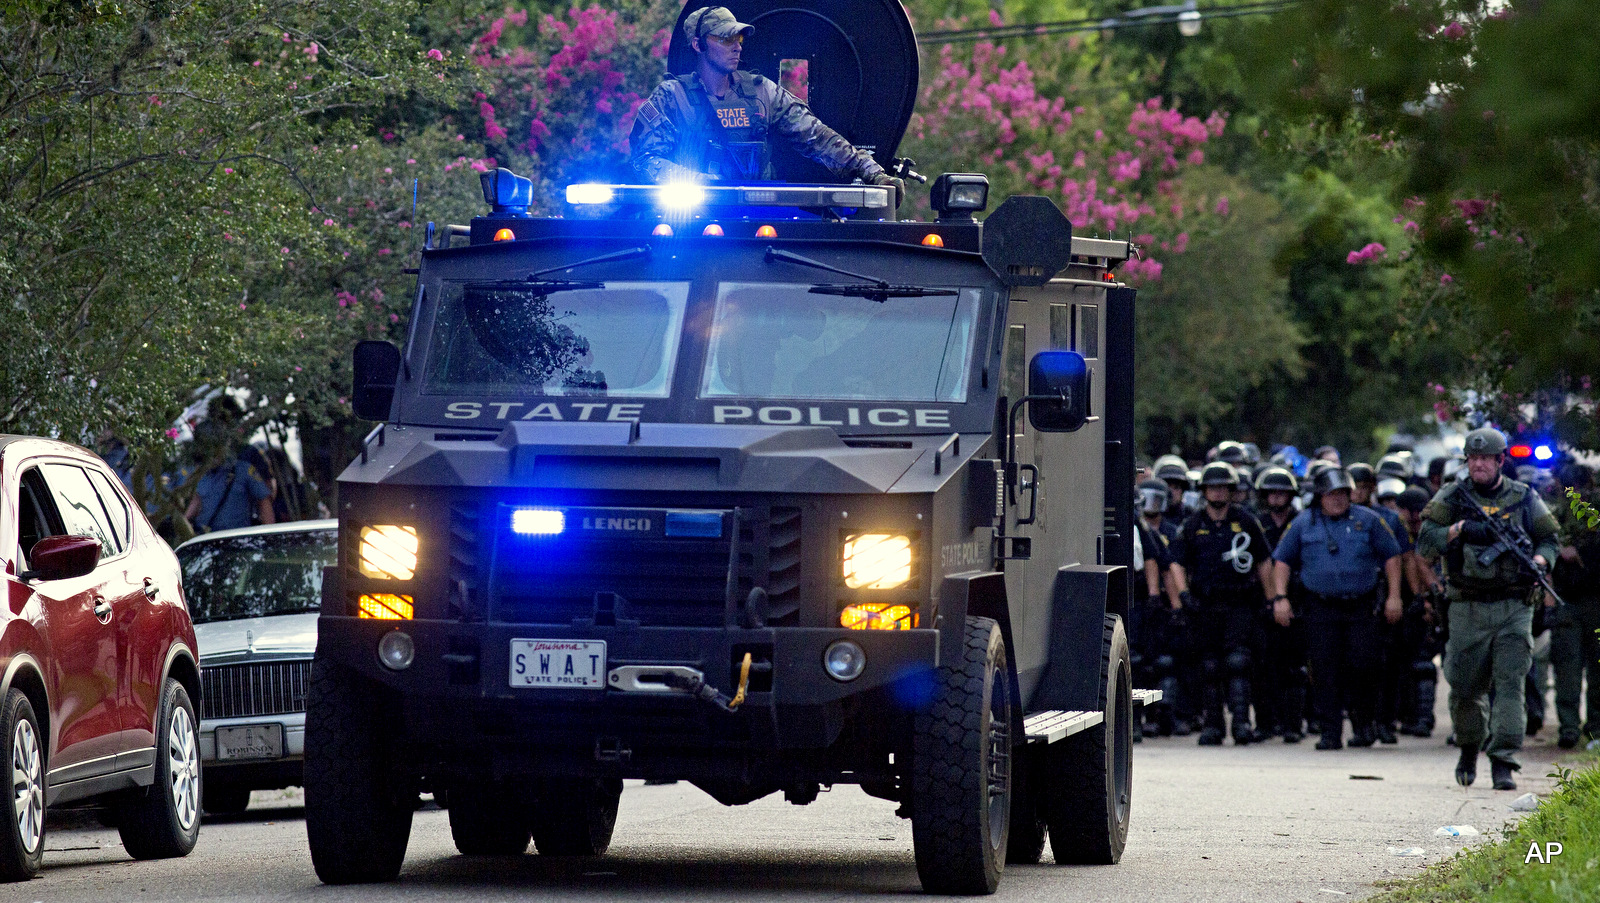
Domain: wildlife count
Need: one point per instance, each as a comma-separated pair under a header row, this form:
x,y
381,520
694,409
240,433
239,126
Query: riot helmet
x,y
1414,499
1396,466
1485,440
1252,453
1232,452
1390,488
1362,472
1153,497
1172,469
1219,473
1277,479
1331,479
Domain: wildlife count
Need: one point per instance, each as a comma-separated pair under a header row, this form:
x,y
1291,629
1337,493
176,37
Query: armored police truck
x,y
752,486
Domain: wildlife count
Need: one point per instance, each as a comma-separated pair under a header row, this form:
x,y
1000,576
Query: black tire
x,y
576,818
358,810
23,748
1028,828
225,799
961,769
163,822
1090,792
489,820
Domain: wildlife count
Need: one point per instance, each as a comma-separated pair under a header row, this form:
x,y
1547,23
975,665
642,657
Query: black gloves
x,y
899,186
1478,533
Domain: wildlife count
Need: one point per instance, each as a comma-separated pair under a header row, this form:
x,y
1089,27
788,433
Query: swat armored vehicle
x,y
751,486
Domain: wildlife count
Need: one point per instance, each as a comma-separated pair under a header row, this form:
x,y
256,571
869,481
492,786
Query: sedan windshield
x,y
619,339
257,575
780,340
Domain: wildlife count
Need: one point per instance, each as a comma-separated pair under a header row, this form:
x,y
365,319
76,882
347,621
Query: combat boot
x,y
1330,740
1386,733
1363,735
1211,736
1501,772
1290,720
1467,766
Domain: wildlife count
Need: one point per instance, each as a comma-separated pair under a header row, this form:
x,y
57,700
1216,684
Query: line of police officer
x,y
1248,607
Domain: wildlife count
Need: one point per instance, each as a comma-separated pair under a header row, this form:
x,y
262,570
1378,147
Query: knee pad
x,y
1425,670
1239,661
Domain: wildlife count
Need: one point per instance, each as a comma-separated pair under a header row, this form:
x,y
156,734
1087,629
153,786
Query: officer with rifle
x,y
718,121
1497,540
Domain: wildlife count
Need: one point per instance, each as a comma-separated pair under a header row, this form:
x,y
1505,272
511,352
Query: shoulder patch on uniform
x,y
650,113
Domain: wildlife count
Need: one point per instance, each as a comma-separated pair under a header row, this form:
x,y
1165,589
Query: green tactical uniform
x,y
1574,645
1490,615
682,133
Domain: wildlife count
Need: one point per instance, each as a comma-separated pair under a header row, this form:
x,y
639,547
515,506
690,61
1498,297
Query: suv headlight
x,y
388,552
877,561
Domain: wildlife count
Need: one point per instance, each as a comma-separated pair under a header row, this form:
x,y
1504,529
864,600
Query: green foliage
x,y
1582,511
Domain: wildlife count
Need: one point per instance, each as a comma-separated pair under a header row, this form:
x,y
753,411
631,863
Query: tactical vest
x,y
724,138
1464,560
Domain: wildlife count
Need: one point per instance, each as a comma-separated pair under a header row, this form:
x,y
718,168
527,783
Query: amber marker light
x,y
505,235
385,607
766,232
663,230
713,230
877,616
933,240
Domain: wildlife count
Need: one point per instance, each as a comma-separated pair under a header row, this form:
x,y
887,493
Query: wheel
x,y
164,821
358,810
488,821
576,817
1028,828
961,769
22,749
1089,795
225,799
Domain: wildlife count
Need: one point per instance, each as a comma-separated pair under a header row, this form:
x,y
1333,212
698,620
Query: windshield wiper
x,y
871,287
534,286
629,254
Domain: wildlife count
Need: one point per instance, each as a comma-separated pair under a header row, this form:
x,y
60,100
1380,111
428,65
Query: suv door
x,y
80,647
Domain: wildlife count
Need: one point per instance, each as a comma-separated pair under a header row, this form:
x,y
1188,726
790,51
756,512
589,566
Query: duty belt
x,y
1342,598
1510,594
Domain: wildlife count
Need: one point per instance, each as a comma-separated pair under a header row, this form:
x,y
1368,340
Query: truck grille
x,y
266,688
677,582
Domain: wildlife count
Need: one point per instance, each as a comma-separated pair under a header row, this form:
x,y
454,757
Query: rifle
x,y
1510,537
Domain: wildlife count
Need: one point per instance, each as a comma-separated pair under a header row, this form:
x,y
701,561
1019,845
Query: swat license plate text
x,y
558,664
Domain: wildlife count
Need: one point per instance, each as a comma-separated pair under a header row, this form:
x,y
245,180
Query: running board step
x,y
1146,697
1048,727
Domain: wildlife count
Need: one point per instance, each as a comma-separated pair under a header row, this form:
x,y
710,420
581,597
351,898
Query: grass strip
x,y
1506,870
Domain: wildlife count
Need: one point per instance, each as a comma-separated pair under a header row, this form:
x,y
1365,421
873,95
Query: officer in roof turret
x,y
718,121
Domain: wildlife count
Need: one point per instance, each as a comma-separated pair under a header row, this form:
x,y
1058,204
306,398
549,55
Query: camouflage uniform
x,y
1490,615
682,133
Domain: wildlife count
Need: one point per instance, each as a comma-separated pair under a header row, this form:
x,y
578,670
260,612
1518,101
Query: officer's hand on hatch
x,y
898,185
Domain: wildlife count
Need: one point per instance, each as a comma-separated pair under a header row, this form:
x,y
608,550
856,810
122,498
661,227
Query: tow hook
x,y
676,678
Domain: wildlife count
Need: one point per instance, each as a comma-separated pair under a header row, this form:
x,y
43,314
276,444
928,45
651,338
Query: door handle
x,y
102,608
150,589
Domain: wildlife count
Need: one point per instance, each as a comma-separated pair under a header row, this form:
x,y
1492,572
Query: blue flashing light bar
x,y
1543,452
538,522
694,524
685,196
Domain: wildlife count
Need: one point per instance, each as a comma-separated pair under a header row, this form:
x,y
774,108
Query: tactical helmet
x,y
1219,473
1173,468
1232,452
1361,472
1390,488
1153,496
1485,440
1394,466
1277,479
1315,467
1331,479
1414,499
1252,453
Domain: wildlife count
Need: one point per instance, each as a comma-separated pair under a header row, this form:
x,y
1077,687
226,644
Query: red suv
x,y
98,680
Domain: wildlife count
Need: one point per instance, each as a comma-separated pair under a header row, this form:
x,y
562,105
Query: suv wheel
x,y
1089,796
22,828
164,821
576,817
489,820
961,769
358,813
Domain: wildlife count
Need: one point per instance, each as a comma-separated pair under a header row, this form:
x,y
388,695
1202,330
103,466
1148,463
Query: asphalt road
x,y
1260,823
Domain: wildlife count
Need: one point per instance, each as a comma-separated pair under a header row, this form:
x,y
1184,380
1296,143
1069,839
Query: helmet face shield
x,y
1152,500
1389,488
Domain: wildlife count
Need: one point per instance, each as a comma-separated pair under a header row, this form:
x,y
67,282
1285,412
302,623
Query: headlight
x,y
878,616
388,552
877,561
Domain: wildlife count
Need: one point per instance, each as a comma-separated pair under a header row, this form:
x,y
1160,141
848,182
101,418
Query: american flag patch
x,y
650,114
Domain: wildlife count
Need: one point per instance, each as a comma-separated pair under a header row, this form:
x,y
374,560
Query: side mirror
x,y
1058,389
62,557
377,367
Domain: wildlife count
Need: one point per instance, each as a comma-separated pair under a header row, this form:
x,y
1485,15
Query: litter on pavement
x,y
1408,852
1525,803
1457,831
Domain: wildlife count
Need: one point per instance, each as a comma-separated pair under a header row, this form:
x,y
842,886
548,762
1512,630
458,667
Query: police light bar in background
x,y
538,522
686,196
1539,452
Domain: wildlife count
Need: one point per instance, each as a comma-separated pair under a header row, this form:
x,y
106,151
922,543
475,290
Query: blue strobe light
x,y
538,522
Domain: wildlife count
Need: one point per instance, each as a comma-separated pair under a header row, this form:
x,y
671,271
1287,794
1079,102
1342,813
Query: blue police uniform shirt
x,y
1363,540
1392,520
223,507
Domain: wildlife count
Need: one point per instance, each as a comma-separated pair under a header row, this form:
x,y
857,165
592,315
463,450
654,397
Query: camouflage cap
x,y
714,20
1485,441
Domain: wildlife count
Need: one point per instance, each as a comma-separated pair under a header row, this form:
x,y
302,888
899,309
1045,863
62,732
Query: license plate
x,y
558,664
250,741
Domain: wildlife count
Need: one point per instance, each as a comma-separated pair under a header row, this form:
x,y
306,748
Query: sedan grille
x,y
265,688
